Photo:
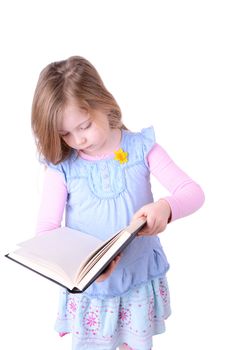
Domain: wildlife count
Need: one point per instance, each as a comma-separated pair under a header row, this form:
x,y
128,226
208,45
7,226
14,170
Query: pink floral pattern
x,y
151,309
72,306
164,291
91,322
137,315
124,316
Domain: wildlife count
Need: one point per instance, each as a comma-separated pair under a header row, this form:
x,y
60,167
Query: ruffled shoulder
x,y
64,167
148,139
138,144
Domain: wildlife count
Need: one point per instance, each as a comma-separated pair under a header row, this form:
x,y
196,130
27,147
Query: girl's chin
x,y
88,149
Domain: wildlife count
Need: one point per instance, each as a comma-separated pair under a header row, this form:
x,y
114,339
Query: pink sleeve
x,y
186,196
53,201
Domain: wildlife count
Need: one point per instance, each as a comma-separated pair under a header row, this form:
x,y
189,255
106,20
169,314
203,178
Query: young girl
x,y
98,173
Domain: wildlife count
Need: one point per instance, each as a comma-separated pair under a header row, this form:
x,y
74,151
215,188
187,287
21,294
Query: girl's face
x,y
85,132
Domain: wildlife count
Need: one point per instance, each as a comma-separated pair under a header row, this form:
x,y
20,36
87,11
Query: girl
x,y
98,173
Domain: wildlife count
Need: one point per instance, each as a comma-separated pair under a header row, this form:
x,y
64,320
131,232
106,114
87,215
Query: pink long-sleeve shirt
x,y
185,195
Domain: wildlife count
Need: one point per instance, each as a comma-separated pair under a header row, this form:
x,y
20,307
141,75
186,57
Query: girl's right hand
x,y
109,269
157,214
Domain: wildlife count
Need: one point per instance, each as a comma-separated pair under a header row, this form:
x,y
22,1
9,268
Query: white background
x,y
167,64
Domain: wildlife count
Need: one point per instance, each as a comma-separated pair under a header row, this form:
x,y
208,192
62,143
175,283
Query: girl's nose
x,y
80,141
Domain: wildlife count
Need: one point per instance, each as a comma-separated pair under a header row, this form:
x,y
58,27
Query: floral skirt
x,y
105,324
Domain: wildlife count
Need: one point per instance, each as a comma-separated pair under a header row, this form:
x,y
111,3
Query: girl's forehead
x,y
72,116
72,107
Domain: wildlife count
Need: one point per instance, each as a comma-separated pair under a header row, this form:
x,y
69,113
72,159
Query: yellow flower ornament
x,y
121,156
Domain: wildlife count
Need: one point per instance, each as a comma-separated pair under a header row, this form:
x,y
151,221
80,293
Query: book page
x,y
92,258
95,256
103,260
53,272
64,247
115,245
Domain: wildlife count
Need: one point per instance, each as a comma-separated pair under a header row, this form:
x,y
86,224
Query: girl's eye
x,y
64,135
87,126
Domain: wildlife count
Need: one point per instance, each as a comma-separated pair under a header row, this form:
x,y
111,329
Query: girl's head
x,y
71,82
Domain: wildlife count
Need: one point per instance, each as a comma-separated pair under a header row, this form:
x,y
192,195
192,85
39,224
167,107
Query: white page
x,y
64,247
104,258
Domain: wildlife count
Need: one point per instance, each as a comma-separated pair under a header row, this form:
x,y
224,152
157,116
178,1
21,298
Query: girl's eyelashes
x,y
87,126
64,135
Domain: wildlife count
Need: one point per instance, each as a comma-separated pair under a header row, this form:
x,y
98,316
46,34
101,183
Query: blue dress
x,y
133,303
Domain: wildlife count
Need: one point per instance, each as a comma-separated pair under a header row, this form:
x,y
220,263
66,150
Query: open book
x,y
71,258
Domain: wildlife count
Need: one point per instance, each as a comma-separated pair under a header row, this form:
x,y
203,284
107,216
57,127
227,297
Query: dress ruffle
x,y
106,324
149,139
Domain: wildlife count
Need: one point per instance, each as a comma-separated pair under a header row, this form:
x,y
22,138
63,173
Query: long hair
x,y
60,82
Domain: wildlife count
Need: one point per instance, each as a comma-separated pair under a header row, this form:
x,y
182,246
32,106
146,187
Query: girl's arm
x,y
186,196
53,201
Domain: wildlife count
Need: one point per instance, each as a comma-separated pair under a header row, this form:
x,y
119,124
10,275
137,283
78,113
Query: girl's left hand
x,y
105,274
158,215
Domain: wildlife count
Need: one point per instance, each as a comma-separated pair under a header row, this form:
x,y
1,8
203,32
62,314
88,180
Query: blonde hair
x,y
58,83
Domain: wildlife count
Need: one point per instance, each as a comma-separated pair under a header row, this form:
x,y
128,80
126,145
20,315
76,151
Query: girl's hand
x,y
109,269
157,214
